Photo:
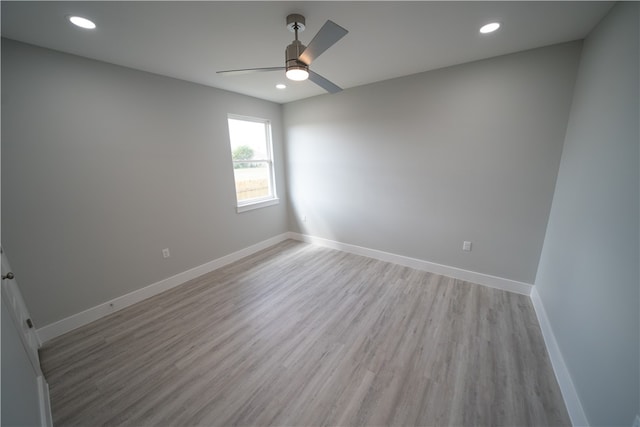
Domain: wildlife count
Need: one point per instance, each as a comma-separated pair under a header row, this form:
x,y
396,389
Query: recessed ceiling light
x,y
81,22
281,86
489,28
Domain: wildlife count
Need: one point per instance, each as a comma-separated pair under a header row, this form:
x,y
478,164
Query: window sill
x,y
257,205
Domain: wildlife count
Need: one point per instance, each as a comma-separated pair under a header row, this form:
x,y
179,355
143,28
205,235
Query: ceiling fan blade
x,y
250,70
324,83
329,34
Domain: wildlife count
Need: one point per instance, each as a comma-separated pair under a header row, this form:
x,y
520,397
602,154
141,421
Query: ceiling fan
x,y
298,57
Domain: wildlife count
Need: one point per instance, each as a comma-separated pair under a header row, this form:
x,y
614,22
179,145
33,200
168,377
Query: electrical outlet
x,y
466,246
165,253
304,218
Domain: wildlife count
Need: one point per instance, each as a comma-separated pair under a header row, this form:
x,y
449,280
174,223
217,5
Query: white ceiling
x,y
193,40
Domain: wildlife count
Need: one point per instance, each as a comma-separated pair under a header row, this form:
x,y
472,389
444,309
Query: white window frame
x,y
260,202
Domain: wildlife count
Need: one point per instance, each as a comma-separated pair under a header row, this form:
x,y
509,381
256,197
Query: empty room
x,y
320,213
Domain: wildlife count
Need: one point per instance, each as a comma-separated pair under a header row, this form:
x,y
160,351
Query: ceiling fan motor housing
x,y
292,53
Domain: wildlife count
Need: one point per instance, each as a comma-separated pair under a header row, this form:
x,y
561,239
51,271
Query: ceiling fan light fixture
x,y
297,73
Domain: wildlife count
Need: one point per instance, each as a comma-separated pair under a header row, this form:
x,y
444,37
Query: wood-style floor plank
x,y
309,336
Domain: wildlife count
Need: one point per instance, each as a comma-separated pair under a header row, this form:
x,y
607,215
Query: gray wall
x,y
588,276
20,404
415,165
103,166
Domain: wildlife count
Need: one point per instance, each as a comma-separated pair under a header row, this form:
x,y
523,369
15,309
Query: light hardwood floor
x,y
308,336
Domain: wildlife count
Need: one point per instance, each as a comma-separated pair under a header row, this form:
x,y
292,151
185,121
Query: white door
x,y
27,385
18,310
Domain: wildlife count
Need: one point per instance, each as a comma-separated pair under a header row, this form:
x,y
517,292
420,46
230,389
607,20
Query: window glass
x,y
252,158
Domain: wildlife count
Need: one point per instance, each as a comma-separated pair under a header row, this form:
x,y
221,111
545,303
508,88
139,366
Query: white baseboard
x,y
418,264
46,420
568,390
70,323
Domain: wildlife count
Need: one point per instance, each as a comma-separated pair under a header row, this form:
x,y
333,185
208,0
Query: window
x,y
252,157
